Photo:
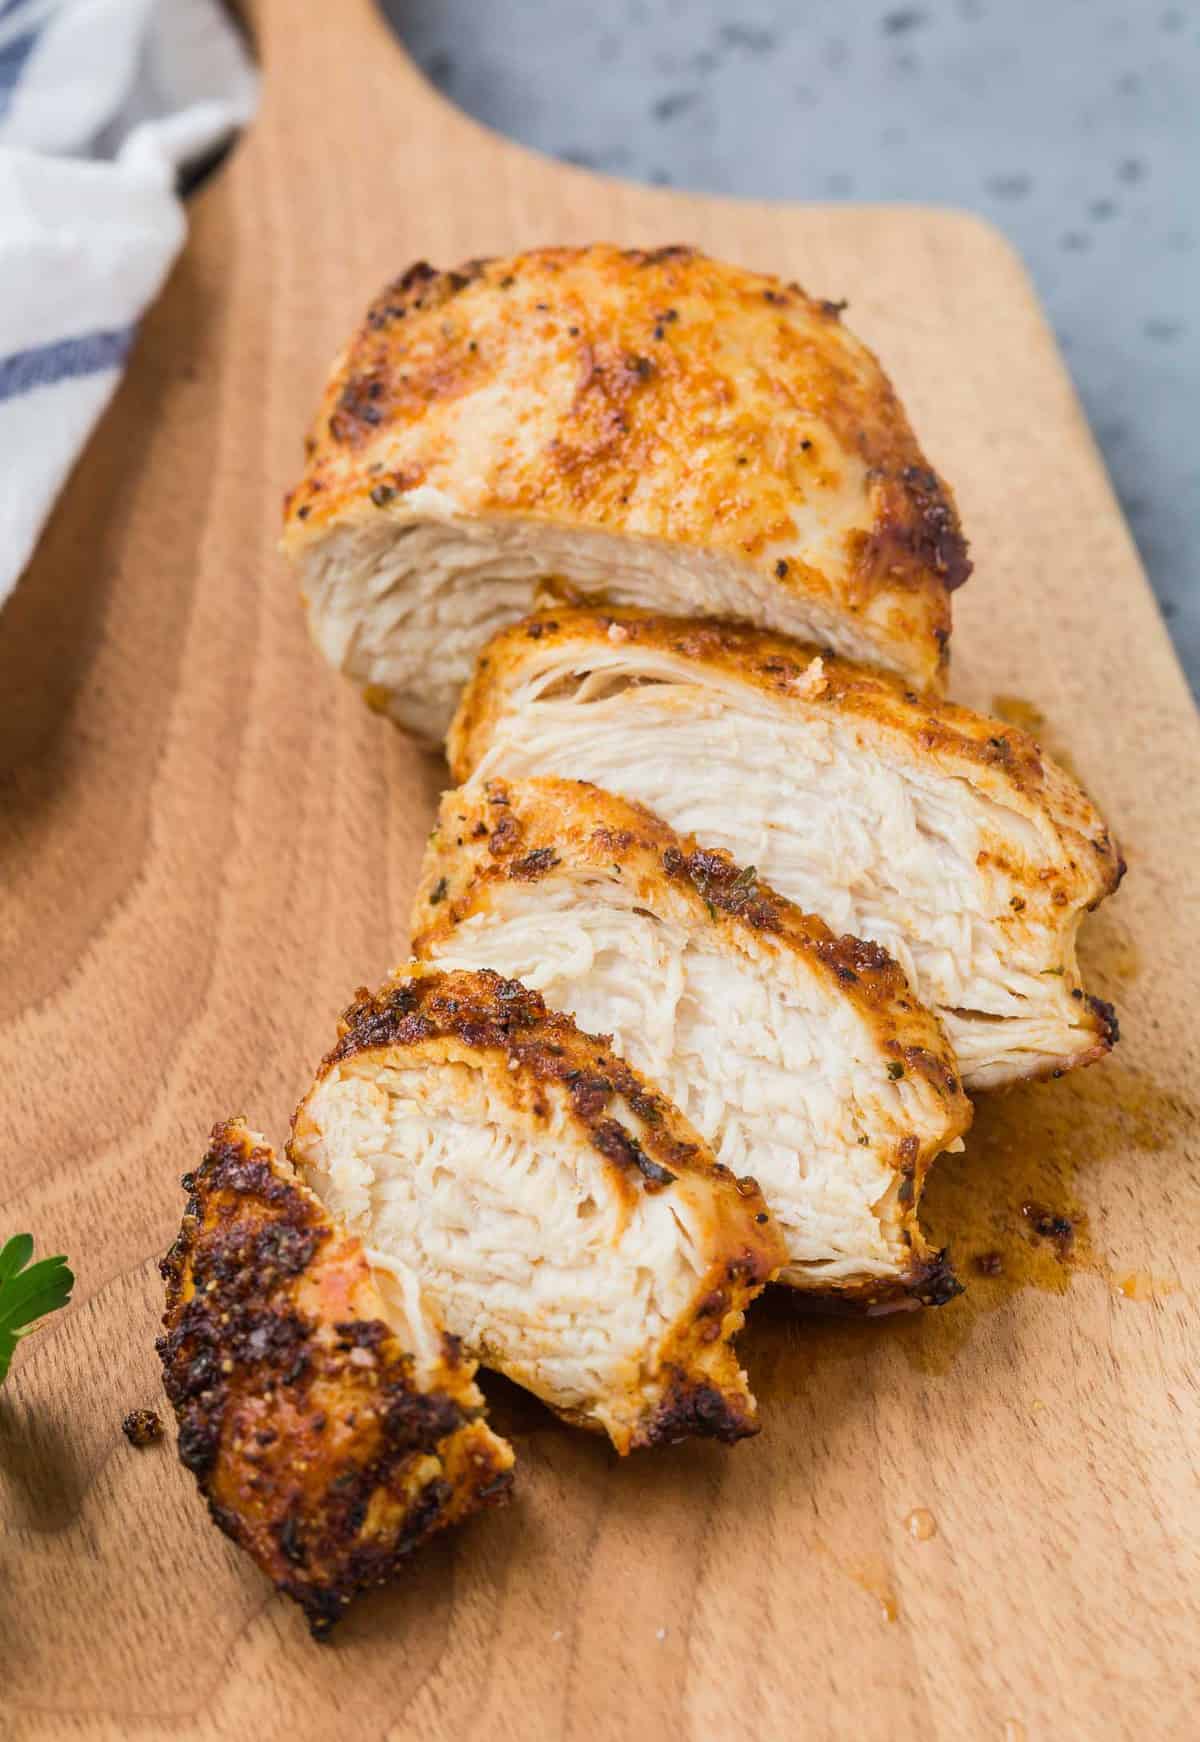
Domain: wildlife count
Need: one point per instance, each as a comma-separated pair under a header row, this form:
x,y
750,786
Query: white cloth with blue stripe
x,y
103,104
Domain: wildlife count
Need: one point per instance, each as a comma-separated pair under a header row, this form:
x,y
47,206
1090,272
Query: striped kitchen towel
x,y
105,107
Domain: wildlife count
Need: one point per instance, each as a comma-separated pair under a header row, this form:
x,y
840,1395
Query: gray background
x,y
1072,124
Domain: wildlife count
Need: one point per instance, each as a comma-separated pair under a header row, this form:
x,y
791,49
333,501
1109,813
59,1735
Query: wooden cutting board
x,y
207,842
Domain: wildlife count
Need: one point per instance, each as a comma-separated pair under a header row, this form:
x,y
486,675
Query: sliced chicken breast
x,y
567,1223
801,1057
950,839
331,1424
639,428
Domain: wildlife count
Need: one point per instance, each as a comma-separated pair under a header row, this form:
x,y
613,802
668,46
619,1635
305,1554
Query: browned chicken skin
x,y
327,1445
621,426
563,1216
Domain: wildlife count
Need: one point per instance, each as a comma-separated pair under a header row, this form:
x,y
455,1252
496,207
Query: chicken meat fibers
x,y
330,1423
800,1056
950,839
636,427
563,1218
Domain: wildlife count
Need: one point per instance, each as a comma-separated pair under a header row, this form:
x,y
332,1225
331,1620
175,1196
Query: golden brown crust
x,y
300,1413
1002,760
522,830
541,1053
654,393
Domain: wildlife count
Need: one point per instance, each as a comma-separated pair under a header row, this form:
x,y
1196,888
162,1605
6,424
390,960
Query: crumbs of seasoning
x,y
805,445
533,865
303,511
507,282
289,1542
989,1263
781,568
742,887
834,309
438,892
762,1216
1049,1225
382,494
572,332
142,1427
617,1144
895,1070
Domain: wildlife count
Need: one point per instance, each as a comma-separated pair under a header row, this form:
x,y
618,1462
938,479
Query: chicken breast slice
x,y
639,428
948,838
801,1057
329,1421
566,1221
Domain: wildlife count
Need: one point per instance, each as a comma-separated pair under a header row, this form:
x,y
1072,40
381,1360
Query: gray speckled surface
x,y
1072,124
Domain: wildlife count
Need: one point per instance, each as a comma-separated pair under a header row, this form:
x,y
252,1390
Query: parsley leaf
x,y
27,1293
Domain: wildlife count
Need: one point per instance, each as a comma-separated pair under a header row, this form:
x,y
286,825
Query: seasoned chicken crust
x,y
949,838
327,1445
562,1216
648,428
799,1055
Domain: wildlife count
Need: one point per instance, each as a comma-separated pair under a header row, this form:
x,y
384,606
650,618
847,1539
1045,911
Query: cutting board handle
x,y
333,64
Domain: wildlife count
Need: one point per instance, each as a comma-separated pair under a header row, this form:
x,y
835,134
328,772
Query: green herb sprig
x,y
27,1293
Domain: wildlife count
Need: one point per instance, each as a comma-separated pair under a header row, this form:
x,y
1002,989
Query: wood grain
x,y
207,841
